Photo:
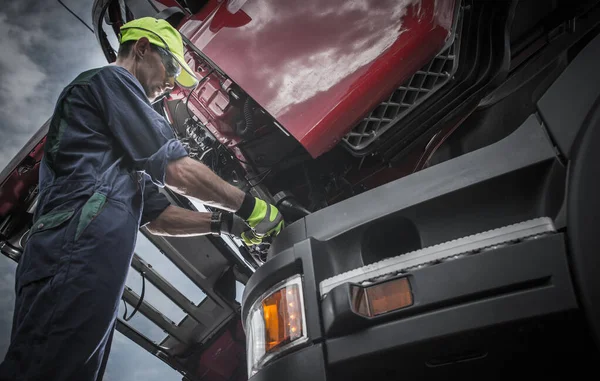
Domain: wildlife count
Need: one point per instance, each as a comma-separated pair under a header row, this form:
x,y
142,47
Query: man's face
x,y
151,71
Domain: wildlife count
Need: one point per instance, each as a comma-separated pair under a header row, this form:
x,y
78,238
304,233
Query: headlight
x,y
276,323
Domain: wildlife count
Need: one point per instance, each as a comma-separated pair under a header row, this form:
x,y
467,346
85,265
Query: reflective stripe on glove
x,y
250,238
230,224
265,220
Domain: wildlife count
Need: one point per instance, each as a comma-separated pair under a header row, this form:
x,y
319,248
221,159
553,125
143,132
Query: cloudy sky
x,y
43,48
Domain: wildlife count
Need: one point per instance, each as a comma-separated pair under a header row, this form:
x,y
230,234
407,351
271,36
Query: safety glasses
x,y
172,67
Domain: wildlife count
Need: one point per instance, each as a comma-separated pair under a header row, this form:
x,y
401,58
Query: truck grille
x,y
406,98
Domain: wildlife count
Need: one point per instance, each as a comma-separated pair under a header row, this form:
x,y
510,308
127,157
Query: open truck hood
x,y
318,67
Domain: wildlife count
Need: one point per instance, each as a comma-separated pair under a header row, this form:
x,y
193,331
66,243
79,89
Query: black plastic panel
x,y
307,364
565,105
499,185
292,233
525,147
201,254
535,261
583,216
542,270
537,348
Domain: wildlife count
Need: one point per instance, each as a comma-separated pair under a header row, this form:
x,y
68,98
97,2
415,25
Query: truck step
x,y
489,240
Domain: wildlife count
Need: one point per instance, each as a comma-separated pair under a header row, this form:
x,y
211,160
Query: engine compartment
x,y
225,128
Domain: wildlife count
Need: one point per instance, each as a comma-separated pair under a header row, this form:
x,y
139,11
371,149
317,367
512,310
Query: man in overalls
x,y
107,151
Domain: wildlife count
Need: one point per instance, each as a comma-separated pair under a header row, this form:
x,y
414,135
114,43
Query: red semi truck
x,y
433,160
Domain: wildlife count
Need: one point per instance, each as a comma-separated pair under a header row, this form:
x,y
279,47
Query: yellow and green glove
x,y
264,219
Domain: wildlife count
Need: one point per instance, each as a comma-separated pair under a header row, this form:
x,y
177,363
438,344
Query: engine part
x,y
289,207
198,140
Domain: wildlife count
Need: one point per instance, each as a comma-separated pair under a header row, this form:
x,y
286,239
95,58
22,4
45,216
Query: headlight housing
x,y
276,323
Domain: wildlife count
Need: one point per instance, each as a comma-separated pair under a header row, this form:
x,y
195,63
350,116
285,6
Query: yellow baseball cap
x,y
160,33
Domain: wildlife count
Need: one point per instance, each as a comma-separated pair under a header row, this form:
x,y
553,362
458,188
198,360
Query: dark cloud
x,y
7,301
43,48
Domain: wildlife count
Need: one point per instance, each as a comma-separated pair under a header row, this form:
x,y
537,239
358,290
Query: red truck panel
x,y
319,66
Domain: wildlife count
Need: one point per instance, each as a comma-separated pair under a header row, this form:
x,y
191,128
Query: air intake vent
x,y
406,98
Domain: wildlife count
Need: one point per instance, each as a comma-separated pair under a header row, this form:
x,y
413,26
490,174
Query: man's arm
x,y
194,179
162,218
179,222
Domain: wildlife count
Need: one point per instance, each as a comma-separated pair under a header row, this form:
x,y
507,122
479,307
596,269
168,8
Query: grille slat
x,y
425,82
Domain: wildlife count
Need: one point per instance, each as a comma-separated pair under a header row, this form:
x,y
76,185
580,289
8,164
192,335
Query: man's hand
x,y
231,224
265,221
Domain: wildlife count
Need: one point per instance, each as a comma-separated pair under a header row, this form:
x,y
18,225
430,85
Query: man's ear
x,y
141,47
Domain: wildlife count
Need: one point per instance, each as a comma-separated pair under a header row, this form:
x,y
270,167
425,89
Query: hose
x,y
248,127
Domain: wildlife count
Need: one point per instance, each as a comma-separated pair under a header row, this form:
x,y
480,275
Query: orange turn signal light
x,y
283,316
382,297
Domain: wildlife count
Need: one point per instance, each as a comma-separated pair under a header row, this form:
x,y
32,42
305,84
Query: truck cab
x,y
435,165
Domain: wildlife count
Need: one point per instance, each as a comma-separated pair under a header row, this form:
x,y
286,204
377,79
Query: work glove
x,y
228,223
265,221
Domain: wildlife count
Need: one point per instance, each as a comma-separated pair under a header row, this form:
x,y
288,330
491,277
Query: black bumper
x,y
305,364
512,307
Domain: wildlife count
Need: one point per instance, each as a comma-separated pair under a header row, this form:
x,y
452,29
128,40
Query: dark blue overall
x,y
105,157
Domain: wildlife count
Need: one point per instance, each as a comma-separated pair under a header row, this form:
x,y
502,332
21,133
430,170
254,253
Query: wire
x,y
139,303
78,18
232,154
205,153
261,180
259,175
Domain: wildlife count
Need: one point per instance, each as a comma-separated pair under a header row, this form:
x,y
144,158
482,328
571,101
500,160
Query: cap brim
x,y
186,78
